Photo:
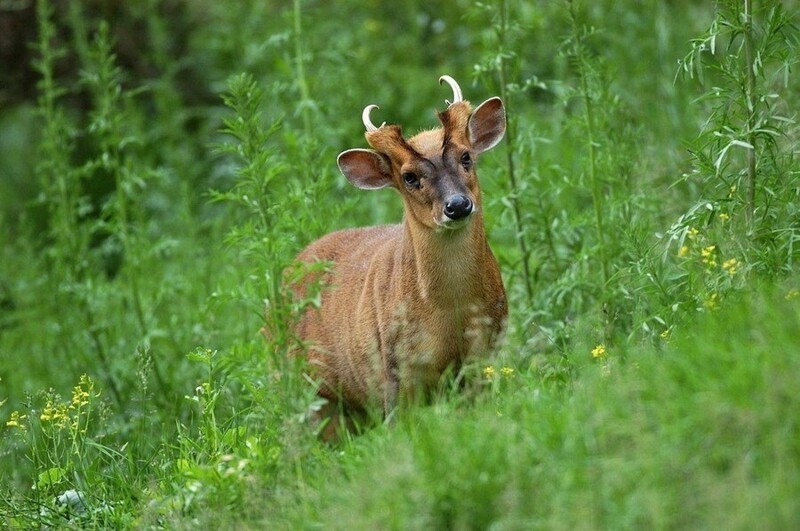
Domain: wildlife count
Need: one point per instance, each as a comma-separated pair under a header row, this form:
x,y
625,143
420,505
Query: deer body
x,y
403,303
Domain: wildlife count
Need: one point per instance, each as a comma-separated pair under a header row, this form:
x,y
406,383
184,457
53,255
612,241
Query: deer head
x,y
434,171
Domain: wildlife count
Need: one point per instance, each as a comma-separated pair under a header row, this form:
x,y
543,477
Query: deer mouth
x,y
446,224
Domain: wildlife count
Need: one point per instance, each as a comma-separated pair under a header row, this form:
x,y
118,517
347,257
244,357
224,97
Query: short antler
x,y
365,118
456,89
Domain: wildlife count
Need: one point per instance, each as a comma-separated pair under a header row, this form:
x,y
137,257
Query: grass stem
x,y
302,81
751,112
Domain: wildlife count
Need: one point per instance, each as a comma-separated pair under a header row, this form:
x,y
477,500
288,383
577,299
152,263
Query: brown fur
x,y
406,302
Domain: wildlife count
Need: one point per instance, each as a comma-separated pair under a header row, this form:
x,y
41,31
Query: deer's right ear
x,y
365,168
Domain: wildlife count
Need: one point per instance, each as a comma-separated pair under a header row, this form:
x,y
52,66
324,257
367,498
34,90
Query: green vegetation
x,y
163,162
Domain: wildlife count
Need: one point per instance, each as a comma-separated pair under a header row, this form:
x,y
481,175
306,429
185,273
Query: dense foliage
x,y
164,161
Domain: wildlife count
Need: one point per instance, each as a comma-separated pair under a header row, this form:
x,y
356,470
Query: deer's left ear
x,y
487,125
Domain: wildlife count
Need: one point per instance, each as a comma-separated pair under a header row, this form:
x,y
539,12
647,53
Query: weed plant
x,y
643,212
743,158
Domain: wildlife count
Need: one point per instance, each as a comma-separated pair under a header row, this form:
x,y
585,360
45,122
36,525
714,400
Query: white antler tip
x,y
457,96
365,118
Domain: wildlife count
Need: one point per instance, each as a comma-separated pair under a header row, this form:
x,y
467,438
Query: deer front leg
x,y
391,386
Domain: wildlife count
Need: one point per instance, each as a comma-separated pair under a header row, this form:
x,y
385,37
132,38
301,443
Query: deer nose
x,y
458,207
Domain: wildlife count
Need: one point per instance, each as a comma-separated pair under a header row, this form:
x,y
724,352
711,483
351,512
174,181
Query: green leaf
x,y
49,477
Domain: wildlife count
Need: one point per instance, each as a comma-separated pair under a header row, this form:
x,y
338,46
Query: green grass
x,y
699,432
175,157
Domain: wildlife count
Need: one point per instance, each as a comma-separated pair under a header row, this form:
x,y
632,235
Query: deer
x,y
404,304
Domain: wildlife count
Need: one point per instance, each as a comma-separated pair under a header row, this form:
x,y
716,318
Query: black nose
x,y
458,207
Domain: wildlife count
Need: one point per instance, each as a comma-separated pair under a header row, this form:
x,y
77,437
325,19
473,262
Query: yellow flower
x,y
82,392
665,334
724,216
683,252
599,352
692,233
707,255
55,413
507,371
16,420
87,382
79,398
488,372
711,302
731,266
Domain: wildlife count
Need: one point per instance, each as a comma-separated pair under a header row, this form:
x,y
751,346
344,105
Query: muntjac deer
x,y
404,303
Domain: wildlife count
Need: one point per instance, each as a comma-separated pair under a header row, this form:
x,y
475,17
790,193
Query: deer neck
x,y
444,266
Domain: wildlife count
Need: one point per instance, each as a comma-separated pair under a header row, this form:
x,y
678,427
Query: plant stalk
x,y
751,113
510,148
302,81
588,117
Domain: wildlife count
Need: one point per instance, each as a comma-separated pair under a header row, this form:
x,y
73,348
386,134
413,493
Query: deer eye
x,y
411,179
466,160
